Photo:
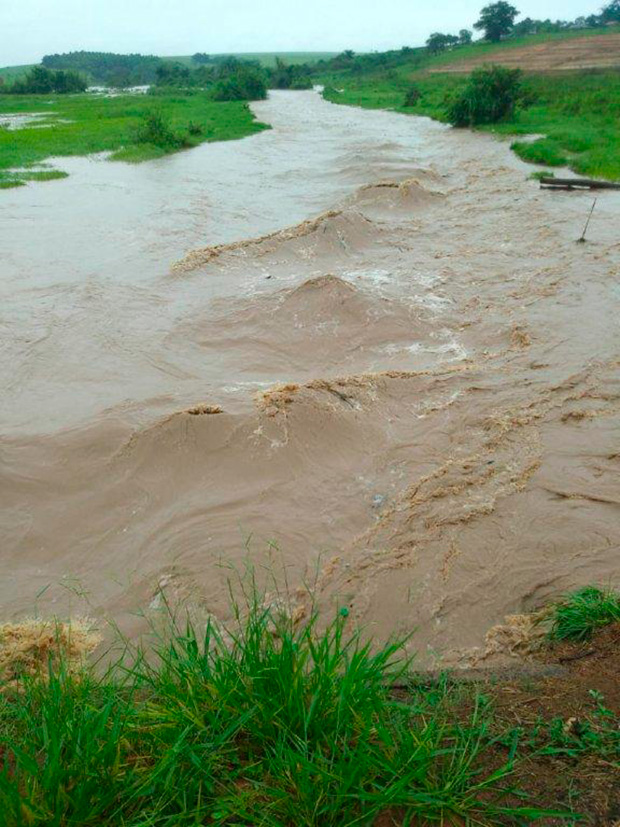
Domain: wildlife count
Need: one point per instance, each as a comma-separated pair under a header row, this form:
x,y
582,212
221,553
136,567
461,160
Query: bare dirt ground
x,y
589,679
600,52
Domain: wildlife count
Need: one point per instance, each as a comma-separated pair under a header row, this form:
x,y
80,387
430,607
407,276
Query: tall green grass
x,y
580,614
265,723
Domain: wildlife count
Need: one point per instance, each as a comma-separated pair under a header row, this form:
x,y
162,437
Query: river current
x,y
361,348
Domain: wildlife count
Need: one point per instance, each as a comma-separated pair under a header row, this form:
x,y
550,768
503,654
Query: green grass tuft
x,y
267,723
542,151
44,175
581,613
18,178
539,174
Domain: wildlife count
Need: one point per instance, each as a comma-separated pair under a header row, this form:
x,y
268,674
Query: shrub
x,y
156,129
490,95
412,96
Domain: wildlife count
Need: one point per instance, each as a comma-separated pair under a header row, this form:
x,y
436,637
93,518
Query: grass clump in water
x,y
268,722
581,613
539,174
18,178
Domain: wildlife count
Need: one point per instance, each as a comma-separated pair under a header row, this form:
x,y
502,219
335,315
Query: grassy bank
x,y
273,722
83,124
578,113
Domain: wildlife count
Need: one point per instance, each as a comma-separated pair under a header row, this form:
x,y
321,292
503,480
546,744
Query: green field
x,y
98,124
577,112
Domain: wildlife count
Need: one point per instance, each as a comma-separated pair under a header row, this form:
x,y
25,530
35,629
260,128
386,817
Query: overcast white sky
x,y
31,28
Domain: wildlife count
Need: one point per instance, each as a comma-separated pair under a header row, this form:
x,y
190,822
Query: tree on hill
x,y
611,12
497,20
464,37
437,42
201,57
526,26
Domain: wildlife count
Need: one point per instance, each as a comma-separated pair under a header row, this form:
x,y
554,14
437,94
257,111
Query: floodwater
x,y
22,120
362,348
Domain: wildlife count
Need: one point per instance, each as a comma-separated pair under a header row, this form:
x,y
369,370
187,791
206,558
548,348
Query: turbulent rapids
x,y
411,401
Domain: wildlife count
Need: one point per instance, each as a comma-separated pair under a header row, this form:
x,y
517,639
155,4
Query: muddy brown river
x,y
360,349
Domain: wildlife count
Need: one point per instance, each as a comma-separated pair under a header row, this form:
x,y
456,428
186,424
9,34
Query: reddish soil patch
x,y
557,774
597,52
588,783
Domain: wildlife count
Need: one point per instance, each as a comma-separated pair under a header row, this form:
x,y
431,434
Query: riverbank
x,y
88,123
574,113
271,721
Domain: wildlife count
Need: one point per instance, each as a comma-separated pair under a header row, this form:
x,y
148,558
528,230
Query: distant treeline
x,y
107,68
41,81
225,77
233,78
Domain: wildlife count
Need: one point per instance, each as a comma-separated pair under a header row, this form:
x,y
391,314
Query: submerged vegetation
x,y
274,720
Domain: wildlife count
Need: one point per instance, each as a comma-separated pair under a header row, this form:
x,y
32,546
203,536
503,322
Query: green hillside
x,y
578,112
482,47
